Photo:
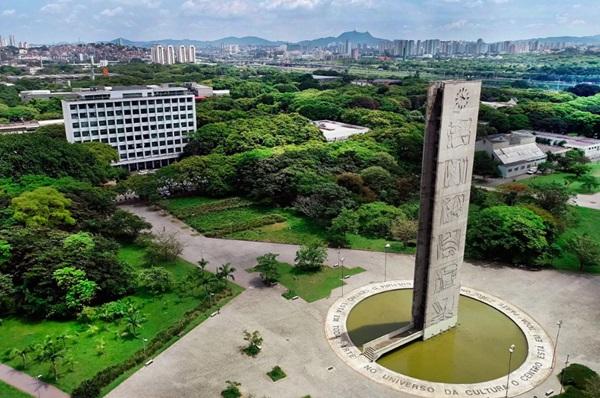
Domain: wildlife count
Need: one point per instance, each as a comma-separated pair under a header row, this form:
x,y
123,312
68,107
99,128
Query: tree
x,y
42,207
586,249
123,226
324,202
589,183
254,341
404,229
552,197
310,257
79,289
507,233
5,249
267,266
584,90
164,247
51,350
81,243
7,289
485,165
232,390
104,153
592,387
156,280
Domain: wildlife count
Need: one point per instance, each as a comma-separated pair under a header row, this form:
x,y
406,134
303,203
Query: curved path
x,y
28,384
201,361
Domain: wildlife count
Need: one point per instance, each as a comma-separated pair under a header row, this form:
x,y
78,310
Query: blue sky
x,y
47,21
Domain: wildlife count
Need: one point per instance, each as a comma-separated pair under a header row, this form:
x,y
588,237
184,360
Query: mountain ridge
x,y
354,37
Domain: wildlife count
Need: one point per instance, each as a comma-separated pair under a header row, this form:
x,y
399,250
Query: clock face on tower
x,y
462,98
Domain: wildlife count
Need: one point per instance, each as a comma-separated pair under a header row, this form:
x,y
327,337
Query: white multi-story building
x,y
169,55
148,125
191,54
182,54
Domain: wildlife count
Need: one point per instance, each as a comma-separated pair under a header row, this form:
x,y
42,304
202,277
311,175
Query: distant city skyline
x,y
51,21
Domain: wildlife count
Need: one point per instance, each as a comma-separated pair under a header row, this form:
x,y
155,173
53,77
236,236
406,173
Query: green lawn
x,y
7,391
312,286
161,311
587,221
566,179
291,228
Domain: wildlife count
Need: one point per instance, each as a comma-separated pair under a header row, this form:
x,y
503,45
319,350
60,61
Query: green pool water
x,y
475,351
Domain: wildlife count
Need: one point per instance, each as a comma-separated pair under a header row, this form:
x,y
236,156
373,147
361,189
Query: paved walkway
x,y
591,201
242,254
201,361
28,384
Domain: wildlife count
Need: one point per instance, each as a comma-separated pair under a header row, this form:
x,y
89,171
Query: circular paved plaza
x,y
534,370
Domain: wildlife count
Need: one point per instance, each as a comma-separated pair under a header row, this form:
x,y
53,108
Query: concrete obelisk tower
x,y
450,133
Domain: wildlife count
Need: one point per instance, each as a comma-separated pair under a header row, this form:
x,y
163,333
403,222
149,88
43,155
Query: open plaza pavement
x,y
200,363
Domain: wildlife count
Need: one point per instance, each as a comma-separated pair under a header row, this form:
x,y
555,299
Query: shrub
x,y
92,387
310,258
164,247
156,280
576,375
245,225
254,340
276,373
267,266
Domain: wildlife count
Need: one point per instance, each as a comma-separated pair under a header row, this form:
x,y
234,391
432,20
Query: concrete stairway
x,y
374,349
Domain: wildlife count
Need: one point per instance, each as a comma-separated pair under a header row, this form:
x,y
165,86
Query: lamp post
x,y
145,341
342,270
385,248
559,324
562,375
511,349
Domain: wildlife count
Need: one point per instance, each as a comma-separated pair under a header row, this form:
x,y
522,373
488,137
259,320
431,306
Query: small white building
x,y
517,152
589,146
336,131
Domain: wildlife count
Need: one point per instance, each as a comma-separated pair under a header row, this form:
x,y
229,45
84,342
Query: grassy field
x,y
160,311
281,225
568,180
587,221
7,391
312,286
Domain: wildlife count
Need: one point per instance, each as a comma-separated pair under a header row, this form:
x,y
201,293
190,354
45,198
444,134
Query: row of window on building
x,y
113,104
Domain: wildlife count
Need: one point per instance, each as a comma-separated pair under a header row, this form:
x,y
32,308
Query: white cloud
x,y
8,13
223,8
56,7
290,4
112,12
458,24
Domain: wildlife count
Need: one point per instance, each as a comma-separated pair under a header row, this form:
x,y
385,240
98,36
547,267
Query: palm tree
x,y
225,272
21,353
51,350
133,321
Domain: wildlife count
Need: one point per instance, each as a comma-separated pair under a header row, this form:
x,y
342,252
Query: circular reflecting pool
x,y
475,351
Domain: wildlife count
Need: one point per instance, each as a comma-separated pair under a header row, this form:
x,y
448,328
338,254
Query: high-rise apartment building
x,y
182,54
170,54
148,125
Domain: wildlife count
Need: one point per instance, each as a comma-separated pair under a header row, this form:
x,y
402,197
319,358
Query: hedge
x,y
243,226
225,204
91,388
